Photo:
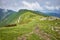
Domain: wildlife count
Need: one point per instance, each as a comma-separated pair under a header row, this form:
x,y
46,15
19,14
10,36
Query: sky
x,y
38,5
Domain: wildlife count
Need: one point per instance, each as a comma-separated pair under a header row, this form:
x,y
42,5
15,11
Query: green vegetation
x,y
30,26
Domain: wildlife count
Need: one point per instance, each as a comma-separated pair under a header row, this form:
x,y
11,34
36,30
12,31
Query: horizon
x,y
36,5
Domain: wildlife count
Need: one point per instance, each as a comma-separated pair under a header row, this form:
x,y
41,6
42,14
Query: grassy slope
x,y
10,19
28,21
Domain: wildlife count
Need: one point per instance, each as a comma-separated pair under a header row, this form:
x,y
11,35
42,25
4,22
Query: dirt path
x,y
42,34
38,32
24,37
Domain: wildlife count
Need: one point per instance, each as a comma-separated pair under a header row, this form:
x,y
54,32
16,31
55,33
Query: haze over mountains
x,y
5,12
7,16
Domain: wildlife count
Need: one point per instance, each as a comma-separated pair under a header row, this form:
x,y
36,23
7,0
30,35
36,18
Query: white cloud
x,y
37,6
33,6
49,6
27,5
52,7
57,7
47,3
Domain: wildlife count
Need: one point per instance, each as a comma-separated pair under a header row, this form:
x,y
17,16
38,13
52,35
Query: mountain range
x,y
7,16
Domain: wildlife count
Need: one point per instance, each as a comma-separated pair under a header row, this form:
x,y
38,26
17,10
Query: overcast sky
x,y
41,5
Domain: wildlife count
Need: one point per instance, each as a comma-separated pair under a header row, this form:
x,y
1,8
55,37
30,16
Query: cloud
x,y
41,5
57,7
26,5
37,6
51,7
47,3
33,6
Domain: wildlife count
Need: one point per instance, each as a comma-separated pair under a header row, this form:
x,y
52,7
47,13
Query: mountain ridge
x,y
14,17
5,13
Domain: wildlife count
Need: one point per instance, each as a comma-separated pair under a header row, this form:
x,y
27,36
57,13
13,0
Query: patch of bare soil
x,y
24,37
42,34
38,32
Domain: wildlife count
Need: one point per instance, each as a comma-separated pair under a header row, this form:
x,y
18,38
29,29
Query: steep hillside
x,y
13,18
9,19
30,25
4,13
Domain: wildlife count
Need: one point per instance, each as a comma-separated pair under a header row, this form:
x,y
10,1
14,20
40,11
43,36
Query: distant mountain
x,y
55,13
5,13
52,14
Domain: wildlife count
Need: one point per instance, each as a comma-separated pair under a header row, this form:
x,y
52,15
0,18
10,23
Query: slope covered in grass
x,y
31,26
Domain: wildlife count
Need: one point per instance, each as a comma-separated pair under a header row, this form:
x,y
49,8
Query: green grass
x,y
11,33
34,37
14,32
28,21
